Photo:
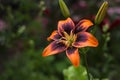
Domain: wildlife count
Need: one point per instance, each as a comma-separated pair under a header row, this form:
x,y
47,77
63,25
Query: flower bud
x,y
105,27
101,13
21,29
64,9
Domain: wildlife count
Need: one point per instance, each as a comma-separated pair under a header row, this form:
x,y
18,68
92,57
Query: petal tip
x,y
76,64
97,43
73,55
87,23
48,39
44,53
83,25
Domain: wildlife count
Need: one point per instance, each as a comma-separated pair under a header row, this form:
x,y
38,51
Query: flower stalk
x,y
86,65
84,51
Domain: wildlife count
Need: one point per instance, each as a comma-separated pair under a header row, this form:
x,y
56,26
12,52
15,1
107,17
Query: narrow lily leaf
x,y
101,13
64,9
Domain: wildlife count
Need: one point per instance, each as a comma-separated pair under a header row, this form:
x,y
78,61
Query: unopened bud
x,y
64,9
101,13
105,27
21,29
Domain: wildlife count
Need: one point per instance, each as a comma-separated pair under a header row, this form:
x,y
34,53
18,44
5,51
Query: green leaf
x,y
75,73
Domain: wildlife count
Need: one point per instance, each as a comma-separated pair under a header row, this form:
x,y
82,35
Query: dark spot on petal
x,y
71,50
58,45
68,27
79,28
81,38
57,36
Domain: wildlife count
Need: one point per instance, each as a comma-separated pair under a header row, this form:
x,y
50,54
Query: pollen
x,y
69,38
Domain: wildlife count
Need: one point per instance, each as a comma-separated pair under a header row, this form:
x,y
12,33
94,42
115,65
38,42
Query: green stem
x,y
94,29
86,65
85,50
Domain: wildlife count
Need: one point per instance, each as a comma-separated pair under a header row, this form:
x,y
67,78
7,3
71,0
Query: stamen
x,y
66,35
68,39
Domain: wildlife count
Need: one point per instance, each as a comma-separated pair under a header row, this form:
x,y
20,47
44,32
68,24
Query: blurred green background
x,y
26,24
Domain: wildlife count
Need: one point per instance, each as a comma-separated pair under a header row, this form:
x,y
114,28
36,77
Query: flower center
x,y
69,39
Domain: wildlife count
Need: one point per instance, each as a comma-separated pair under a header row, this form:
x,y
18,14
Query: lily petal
x,y
85,39
83,25
65,26
73,54
54,48
54,36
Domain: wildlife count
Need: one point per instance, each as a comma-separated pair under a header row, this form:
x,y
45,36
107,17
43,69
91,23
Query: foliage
x,y
78,73
32,66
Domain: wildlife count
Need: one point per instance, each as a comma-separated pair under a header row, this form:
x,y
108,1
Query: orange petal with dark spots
x,y
83,25
54,48
85,39
73,55
54,36
65,26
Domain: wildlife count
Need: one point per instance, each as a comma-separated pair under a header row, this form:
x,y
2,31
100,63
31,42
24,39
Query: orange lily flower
x,y
69,37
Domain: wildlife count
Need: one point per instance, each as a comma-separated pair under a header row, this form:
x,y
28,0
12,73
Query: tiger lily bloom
x,y
69,37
